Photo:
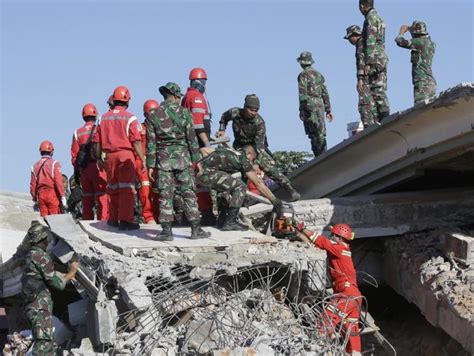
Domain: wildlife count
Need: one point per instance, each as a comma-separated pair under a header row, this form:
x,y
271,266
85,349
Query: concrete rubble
x,y
443,289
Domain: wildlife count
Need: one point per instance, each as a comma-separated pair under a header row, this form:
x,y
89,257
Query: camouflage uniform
x,y
314,101
366,106
422,52
171,148
38,276
218,168
373,39
253,132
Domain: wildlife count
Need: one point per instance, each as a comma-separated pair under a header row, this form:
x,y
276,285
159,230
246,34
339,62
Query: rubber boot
x,y
166,234
221,217
197,232
232,223
294,195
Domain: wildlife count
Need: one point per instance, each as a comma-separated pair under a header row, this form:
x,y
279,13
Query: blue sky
x,y
58,55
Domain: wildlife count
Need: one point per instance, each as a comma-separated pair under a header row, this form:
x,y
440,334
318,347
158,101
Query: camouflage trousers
x,y
42,328
424,91
268,166
367,108
181,182
231,189
378,90
315,129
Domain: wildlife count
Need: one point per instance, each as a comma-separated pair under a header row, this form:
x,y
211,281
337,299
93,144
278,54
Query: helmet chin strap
x,y
199,84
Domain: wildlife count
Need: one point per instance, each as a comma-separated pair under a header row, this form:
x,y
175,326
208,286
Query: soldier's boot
x,y
222,206
383,115
232,223
197,232
166,234
294,195
208,218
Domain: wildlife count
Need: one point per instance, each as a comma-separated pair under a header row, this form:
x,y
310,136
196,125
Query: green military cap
x,y
172,88
37,232
305,58
418,28
252,101
352,30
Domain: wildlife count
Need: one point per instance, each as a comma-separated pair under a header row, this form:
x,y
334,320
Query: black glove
x,y
277,204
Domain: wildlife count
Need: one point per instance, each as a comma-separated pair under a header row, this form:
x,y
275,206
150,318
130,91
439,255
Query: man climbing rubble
x,y
38,277
173,149
46,183
249,129
344,308
216,172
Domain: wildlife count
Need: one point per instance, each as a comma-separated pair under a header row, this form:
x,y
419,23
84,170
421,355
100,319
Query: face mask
x,y
199,84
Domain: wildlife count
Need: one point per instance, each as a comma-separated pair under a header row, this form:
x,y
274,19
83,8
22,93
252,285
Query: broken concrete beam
x,y
390,214
102,320
459,246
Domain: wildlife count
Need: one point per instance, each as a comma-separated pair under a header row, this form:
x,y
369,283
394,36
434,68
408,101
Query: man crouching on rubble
x,y
344,307
38,276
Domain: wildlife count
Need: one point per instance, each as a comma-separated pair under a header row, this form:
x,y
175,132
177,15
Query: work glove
x,y
277,203
64,203
299,226
35,206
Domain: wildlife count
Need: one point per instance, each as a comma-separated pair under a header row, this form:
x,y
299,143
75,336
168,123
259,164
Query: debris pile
x,y
267,308
18,343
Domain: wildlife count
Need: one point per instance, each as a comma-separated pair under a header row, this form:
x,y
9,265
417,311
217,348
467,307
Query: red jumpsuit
x,y
144,186
46,185
93,179
117,131
345,306
196,102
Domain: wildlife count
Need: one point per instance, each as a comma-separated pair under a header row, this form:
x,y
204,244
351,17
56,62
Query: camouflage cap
x,y
37,232
418,28
172,88
352,30
305,58
252,101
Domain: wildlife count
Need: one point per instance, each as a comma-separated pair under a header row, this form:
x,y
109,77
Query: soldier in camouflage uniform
x,y
376,60
38,276
215,172
314,101
172,148
422,52
367,109
249,129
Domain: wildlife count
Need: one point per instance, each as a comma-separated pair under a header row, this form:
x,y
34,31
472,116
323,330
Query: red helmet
x,y
89,110
121,93
197,73
46,146
149,105
344,231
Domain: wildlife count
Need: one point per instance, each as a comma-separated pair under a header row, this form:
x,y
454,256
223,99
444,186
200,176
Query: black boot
x,y
166,234
197,232
126,225
221,217
232,223
208,218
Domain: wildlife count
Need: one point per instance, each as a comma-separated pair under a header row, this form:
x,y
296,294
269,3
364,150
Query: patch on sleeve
x,y
198,100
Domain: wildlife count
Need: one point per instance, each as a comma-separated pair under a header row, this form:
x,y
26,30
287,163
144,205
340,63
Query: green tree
x,y
288,161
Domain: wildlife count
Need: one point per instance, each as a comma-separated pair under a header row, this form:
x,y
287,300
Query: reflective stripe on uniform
x,y
120,186
145,183
199,126
346,253
207,117
132,119
52,168
336,310
198,110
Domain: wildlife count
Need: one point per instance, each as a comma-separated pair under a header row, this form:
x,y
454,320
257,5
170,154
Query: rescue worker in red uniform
x,y
118,136
344,308
195,101
144,185
93,179
46,183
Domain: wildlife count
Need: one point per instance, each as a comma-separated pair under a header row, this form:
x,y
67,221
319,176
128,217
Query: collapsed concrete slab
x,y
390,214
